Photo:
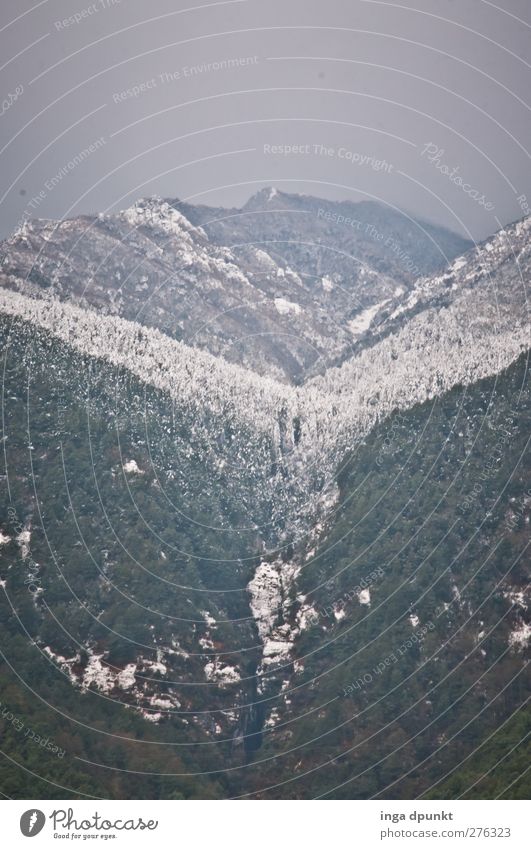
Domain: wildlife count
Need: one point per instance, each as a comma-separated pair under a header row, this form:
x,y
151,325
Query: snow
x,y
285,307
306,617
23,539
517,597
272,719
459,263
58,657
271,589
177,650
333,408
273,649
266,597
265,261
126,678
96,673
431,352
154,212
519,638
64,663
158,667
363,321
164,703
4,539
217,673
208,618
131,467
151,717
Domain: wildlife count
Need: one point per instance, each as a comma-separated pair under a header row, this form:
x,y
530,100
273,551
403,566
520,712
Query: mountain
x,y
264,504
243,301
336,240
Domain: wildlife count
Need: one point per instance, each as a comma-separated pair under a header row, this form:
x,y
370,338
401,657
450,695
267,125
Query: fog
x,y
422,109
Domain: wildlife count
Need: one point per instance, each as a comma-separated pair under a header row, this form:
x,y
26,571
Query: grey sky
x,y
361,87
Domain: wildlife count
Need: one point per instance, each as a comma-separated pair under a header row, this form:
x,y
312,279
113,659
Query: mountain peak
x,y
158,213
263,198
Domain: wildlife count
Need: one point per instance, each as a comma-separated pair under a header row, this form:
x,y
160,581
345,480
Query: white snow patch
x,y
339,612
272,719
285,307
266,597
131,467
519,638
363,321
23,540
164,703
98,674
306,616
126,678
274,649
154,212
151,717
208,618
219,674
517,597
459,263
177,649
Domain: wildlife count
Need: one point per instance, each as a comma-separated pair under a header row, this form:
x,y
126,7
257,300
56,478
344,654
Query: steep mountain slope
x,y
120,558
467,324
408,629
151,264
417,609
337,240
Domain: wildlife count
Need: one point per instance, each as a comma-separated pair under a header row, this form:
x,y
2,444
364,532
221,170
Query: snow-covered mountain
x,y
230,293
260,363
454,328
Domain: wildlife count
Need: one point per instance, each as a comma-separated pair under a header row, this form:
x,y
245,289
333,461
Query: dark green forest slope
x,y
396,696
413,656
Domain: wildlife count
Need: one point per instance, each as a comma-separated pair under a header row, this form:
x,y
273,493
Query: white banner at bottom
x,y
260,824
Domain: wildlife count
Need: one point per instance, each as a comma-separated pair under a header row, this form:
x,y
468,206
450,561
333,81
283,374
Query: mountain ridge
x,y
247,453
